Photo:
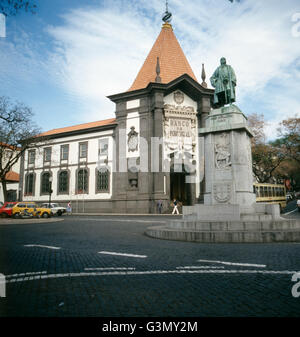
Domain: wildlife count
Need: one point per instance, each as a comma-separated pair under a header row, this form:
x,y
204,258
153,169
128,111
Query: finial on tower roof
x,y
167,16
203,76
158,78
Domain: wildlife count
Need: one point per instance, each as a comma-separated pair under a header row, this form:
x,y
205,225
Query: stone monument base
x,y
229,213
204,224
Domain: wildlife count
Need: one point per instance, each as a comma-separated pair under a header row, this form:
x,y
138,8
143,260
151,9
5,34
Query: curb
x,y
127,214
26,221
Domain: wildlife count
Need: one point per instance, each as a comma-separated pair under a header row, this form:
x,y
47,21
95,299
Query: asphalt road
x,y
106,267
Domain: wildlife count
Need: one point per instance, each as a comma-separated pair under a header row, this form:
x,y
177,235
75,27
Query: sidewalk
x,y
125,214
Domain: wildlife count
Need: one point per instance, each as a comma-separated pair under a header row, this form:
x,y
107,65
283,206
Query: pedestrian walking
x,y
159,206
175,204
69,208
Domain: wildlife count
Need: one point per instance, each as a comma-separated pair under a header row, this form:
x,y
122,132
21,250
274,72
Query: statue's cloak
x,y
217,82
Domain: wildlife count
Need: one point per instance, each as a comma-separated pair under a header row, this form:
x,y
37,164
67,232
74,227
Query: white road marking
x,y
110,268
123,254
235,264
26,274
151,272
199,267
41,246
291,212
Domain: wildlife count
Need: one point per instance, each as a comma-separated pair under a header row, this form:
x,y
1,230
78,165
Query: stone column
x,y
157,158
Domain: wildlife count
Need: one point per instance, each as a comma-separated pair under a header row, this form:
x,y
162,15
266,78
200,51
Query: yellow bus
x,y
271,193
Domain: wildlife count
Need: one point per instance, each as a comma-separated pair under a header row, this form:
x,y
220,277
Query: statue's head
x,y
223,61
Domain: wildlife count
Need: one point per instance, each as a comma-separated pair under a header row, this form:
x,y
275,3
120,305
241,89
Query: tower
x,y
157,148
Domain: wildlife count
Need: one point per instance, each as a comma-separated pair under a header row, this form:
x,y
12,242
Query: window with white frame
x,y
83,150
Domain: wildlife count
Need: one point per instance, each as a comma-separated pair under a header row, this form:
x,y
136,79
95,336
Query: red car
x,y
6,209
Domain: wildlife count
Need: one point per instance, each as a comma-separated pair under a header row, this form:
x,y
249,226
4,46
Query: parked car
x,y
23,208
1,203
6,209
55,208
298,204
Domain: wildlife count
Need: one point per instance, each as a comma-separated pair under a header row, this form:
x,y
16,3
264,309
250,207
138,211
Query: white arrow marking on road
x,y
41,246
235,264
123,254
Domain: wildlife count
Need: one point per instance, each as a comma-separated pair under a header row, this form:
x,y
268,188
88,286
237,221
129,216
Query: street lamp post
x,y
50,191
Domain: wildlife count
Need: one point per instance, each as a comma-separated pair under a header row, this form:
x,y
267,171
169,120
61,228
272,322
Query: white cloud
x,y
99,50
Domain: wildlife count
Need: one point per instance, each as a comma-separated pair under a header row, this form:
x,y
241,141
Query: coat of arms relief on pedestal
x,y
222,192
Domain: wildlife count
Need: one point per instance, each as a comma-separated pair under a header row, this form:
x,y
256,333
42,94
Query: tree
x,y
12,7
289,137
289,142
280,159
17,134
266,157
257,124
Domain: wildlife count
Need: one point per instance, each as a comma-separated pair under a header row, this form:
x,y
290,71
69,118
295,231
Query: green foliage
x,y
13,7
280,159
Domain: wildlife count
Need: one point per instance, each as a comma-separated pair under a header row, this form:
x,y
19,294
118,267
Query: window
x,y
102,178
64,152
265,191
31,206
29,184
11,196
103,147
261,191
47,154
270,191
45,183
63,182
82,181
31,157
83,150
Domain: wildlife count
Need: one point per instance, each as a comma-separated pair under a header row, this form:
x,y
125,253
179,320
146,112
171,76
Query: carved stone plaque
x,y
132,140
222,151
178,97
222,192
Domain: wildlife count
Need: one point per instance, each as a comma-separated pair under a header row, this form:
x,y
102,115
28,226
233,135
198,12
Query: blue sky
x,y
64,60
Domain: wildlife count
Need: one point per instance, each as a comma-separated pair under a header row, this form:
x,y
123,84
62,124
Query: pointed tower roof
x,y
172,61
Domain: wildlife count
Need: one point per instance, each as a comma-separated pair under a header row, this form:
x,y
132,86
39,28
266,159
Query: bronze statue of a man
x,y
224,82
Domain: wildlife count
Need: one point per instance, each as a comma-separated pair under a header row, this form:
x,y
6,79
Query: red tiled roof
x,y
172,60
12,176
15,148
79,127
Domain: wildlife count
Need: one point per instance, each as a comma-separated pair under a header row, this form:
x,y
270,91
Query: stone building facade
x,y
150,151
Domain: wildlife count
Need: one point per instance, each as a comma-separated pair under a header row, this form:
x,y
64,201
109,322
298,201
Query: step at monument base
x,y
234,232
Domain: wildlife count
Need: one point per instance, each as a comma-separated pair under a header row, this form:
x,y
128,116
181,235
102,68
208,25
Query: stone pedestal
x,y
229,213
228,162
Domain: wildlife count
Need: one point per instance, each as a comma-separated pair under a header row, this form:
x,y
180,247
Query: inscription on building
x,y
179,128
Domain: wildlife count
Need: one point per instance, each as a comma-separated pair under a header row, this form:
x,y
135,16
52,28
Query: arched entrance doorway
x,y
180,189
